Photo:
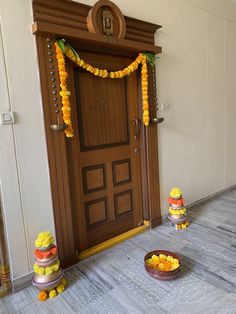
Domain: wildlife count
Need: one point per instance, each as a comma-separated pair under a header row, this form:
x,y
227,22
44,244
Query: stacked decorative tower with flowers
x,y
177,211
48,276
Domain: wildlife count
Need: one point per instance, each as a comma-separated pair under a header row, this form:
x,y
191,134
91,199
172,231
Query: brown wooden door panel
x,y
101,102
105,158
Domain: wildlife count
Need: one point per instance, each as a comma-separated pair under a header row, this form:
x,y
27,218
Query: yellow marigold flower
x,y
162,256
66,105
145,107
131,68
69,54
144,84
64,281
60,288
174,266
38,242
155,257
52,293
64,93
149,261
46,243
61,63
48,270
112,74
69,133
63,86
96,71
169,258
176,192
161,266
67,112
36,268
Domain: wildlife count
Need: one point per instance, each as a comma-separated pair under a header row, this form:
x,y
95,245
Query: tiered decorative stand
x,y
177,211
48,276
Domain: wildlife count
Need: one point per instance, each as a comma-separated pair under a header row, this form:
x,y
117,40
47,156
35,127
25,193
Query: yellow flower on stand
x,y
60,288
64,282
53,293
176,192
177,211
44,239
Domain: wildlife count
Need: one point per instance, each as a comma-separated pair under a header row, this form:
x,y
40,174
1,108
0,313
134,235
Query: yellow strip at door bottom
x,y
114,241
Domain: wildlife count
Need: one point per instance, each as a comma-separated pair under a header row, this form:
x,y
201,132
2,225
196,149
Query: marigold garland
x,y
63,48
64,93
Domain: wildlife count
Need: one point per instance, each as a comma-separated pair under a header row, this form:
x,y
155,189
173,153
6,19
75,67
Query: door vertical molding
x,y
56,145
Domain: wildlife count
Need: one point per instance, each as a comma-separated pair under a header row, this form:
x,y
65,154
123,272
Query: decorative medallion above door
x,y
104,179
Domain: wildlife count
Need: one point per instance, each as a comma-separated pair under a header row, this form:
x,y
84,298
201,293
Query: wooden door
x,y
104,155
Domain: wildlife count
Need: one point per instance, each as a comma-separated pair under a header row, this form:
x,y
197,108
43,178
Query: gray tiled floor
x,y
115,281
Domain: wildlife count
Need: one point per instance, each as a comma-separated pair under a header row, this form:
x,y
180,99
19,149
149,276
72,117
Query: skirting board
x,y
22,282
195,204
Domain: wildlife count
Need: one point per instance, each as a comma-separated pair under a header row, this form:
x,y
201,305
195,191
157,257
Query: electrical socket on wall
x,y
7,117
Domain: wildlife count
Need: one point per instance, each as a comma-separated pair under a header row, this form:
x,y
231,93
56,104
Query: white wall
x,y
24,173
196,76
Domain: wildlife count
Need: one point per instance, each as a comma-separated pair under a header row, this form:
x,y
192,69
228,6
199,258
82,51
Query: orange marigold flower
x,y
42,296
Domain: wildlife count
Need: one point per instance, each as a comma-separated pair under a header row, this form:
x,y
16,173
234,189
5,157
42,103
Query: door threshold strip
x,y
113,241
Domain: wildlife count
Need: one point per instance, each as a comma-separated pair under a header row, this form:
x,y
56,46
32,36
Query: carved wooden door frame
x,y
68,19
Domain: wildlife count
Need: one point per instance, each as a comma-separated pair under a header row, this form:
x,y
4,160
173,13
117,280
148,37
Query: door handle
x,y
137,126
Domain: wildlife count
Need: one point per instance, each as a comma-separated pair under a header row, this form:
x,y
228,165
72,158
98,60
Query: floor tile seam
x,y
212,229
84,307
216,230
209,283
63,300
194,238
20,307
